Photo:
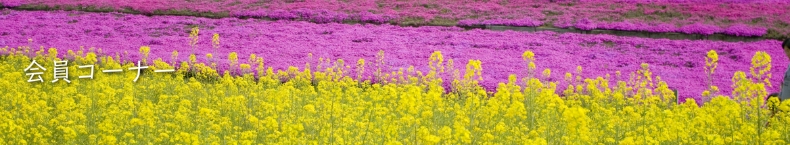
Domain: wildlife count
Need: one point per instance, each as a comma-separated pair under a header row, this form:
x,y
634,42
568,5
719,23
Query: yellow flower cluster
x,y
303,106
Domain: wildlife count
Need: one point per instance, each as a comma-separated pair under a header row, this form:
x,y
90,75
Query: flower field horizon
x,y
354,72
746,18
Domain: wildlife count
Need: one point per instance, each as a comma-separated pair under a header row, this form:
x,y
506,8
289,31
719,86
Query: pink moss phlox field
x,y
287,43
524,22
585,24
686,1
744,30
730,17
699,28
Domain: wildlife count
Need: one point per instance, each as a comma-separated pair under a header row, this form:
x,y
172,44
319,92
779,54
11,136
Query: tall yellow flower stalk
x,y
379,65
210,57
360,68
435,62
529,58
145,50
711,62
233,58
761,65
174,58
193,40
215,44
